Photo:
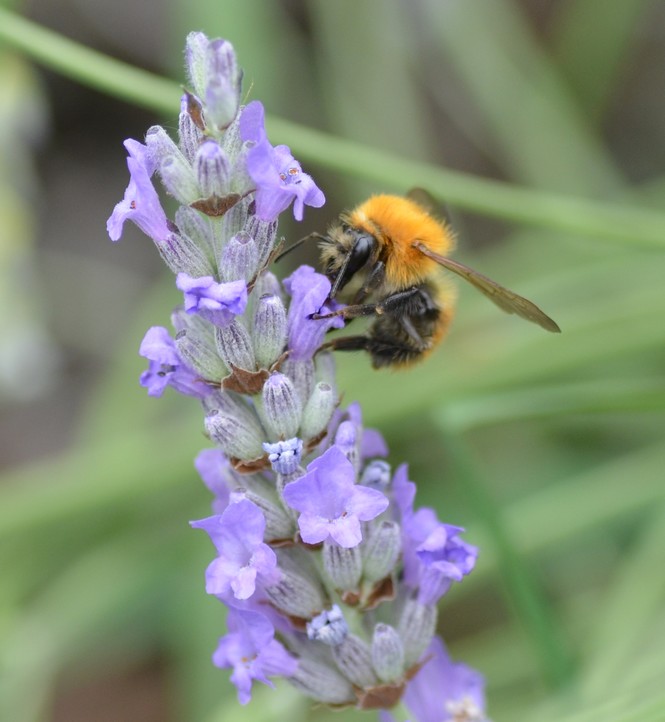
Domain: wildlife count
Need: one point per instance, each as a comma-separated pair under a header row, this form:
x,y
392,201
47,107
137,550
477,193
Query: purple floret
x,y
166,367
219,303
278,176
244,560
444,690
309,291
330,503
251,650
141,203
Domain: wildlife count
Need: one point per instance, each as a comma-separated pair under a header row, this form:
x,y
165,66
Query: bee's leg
x,y
383,352
407,324
392,304
347,343
374,279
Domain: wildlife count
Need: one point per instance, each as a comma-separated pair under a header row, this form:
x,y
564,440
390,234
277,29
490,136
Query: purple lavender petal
x,y
445,690
219,303
140,203
373,444
366,503
404,492
297,183
345,530
277,175
166,368
309,291
329,501
252,651
216,472
445,558
252,122
243,557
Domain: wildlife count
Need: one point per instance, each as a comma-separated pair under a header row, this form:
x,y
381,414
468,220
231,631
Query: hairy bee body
x,y
388,254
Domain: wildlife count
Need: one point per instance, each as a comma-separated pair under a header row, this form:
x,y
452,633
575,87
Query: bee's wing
x,y
505,299
427,201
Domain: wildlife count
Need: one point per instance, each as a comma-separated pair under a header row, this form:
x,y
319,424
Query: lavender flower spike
x,y
330,575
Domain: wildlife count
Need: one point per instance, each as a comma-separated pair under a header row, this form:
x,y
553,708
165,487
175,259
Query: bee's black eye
x,y
358,257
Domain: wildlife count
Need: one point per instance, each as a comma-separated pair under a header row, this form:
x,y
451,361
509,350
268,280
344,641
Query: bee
x,y
389,253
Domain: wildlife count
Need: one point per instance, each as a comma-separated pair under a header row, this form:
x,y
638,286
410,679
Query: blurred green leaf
x,y
592,42
541,136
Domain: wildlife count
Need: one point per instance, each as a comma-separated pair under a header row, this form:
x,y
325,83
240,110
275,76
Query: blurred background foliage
x,y
548,449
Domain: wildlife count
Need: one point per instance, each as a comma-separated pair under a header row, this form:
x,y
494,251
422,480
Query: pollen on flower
x,y
464,710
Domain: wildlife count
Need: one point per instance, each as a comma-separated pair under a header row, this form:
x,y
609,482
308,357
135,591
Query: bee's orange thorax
x,y
397,222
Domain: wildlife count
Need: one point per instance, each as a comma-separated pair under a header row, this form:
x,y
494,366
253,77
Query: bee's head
x,y
347,251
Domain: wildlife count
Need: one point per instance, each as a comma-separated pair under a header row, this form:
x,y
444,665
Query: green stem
x,y
634,226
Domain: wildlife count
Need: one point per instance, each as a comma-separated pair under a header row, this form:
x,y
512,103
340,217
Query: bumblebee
x,y
387,254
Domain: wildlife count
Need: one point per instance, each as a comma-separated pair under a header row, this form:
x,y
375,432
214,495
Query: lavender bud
x,y
235,346
270,330
318,411
416,626
376,475
239,258
354,660
179,180
195,61
346,438
265,234
195,226
329,627
239,436
237,151
223,80
284,456
200,356
281,406
268,285
343,566
381,551
182,320
387,653
176,173
299,592
227,403
321,682
325,368
279,524
160,144
182,255
189,134
301,372
212,170
232,222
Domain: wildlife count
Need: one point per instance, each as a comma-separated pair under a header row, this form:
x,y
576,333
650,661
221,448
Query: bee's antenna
x,y
295,245
340,275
